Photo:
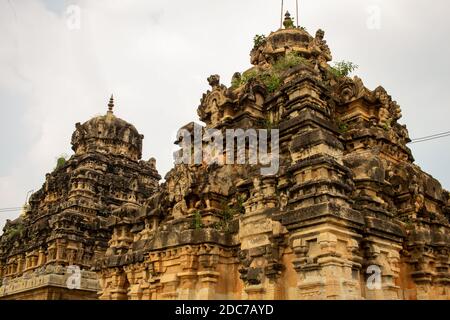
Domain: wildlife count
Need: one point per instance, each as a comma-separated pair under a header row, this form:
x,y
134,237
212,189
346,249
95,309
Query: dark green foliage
x,y
14,231
248,76
258,40
343,68
239,206
268,124
343,127
290,60
228,212
271,78
289,23
387,126
61,161
272,82
197,221
235,83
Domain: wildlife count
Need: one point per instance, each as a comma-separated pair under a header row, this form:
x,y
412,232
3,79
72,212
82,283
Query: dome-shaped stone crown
x,y
291,39
108,134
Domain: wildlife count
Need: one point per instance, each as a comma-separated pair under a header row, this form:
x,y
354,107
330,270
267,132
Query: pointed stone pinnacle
x,y
111,104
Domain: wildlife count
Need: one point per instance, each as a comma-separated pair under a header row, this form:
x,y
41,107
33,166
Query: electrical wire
x,y
431,137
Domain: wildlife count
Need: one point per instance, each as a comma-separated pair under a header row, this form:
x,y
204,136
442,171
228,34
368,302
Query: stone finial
x,y
152,163
214,80
111,104
288,22
320,34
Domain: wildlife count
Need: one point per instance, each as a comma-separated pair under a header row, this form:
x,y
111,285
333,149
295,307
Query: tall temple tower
x,y
48,252
347,216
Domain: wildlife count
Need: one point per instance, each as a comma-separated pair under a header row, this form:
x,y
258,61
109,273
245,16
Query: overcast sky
x,y
155,56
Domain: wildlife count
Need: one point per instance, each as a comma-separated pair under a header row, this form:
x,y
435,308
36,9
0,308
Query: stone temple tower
x,y
348,215
48,252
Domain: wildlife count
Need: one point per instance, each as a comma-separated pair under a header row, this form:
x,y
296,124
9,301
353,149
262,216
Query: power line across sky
x,y
431,137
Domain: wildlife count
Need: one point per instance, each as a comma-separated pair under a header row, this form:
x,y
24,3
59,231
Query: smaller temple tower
x,y
49,251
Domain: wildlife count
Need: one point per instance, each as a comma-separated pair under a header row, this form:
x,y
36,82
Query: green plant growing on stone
x,y
61,161
249,75
388,125
13,232
272,82
228,212
239,206
197,221
246,77
343,68
289,23
290,60
226,216
342,126
236,82
269,124
258,40
409,223
271,78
